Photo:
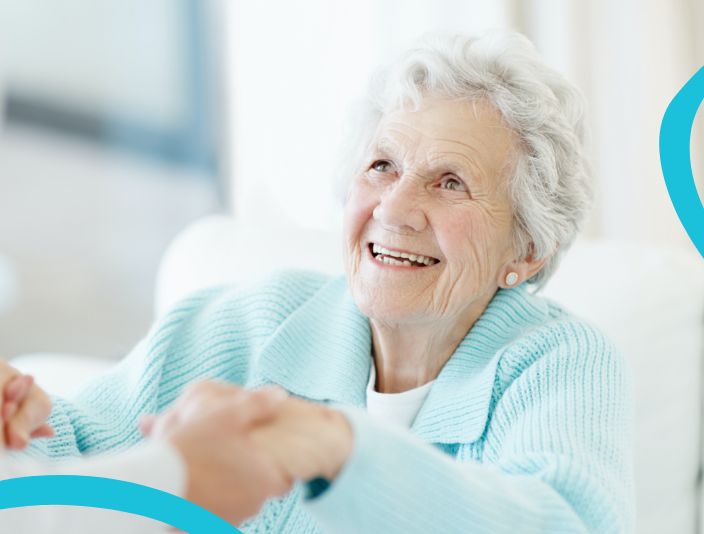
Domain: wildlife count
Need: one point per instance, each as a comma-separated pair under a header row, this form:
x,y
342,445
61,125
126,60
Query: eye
x,y
382,165
452,183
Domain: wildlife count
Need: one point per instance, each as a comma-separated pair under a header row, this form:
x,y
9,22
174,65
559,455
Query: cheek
x,y
470,244
358,212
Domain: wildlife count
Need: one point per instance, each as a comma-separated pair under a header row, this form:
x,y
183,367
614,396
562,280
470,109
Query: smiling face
x,y
428,222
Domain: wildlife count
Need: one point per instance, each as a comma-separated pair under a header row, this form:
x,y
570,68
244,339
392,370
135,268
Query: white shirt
x,y
154,464
399,408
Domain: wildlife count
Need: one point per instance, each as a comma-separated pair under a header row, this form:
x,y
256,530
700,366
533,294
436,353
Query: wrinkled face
x,y
428,220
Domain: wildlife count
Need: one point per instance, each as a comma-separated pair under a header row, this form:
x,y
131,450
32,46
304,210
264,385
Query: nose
x,y
400,208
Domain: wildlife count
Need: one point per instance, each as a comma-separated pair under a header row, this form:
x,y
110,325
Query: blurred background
x,y
121,121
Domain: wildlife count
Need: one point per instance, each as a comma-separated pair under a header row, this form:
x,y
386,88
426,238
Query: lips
x,y
392,256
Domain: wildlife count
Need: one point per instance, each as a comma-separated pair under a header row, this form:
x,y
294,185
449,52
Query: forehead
x,y
466,130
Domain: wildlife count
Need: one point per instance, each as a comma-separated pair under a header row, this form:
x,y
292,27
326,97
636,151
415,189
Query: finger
x,y
206,396
259,406
7,373
165,423
16,438
32,413
44,431
265,395
18,387
276,390
146,424
206,391
19,438
8,410
208,387
17,390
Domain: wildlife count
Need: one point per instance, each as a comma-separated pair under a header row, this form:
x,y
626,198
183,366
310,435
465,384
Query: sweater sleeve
x,y
557,458
211,334
105,414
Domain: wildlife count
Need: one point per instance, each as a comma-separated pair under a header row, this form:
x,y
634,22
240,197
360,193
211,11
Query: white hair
x,y
550,189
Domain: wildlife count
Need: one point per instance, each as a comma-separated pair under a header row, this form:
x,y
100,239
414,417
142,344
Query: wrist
x,y
337,443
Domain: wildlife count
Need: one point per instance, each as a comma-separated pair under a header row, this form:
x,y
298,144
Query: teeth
x,y
393,253
391,261
378,249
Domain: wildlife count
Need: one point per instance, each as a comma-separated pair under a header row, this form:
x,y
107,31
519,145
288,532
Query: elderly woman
x,y
431,391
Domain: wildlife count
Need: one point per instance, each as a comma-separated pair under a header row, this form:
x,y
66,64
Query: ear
x,y
524,268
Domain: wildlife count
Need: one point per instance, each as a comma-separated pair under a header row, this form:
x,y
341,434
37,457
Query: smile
x,y
400,258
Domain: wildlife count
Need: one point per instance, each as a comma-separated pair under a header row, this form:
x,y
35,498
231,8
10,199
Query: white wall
x,y
295,68
630,58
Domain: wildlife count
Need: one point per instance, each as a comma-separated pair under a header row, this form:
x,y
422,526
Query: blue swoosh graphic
x,y
109,494
675,134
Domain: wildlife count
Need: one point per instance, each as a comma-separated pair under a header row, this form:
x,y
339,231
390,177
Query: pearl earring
x,y
511,278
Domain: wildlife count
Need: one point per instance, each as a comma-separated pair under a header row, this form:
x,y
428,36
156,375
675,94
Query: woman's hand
x,y
24,408
307,440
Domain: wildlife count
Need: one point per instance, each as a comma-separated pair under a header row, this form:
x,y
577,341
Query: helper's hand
x,y
307,440
24,408
210,425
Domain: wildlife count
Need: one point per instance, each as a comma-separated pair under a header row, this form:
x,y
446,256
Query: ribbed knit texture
x,y
526,429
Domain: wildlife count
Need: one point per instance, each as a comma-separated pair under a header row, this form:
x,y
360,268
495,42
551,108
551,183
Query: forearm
x,y
393,482
104,415
90,424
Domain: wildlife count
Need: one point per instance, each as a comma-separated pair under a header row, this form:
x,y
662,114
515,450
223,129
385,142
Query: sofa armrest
x,y
219,249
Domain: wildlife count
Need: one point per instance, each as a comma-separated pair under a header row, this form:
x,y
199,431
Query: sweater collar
x,y
322,352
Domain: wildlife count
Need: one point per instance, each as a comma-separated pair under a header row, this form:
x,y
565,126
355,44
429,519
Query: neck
x,y
407,356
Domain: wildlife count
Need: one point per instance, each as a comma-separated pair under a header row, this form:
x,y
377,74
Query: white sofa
x,y
649,300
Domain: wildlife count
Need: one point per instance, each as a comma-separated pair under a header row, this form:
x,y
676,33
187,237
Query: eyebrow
x,y
453,161
384,145
457,163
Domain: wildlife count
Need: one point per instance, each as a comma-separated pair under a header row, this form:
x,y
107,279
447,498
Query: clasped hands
x,y
239,447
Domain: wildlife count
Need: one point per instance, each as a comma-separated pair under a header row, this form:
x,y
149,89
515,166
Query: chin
x,y
385,307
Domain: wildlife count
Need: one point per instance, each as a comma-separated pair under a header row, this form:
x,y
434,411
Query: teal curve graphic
x,y
675,160
109,494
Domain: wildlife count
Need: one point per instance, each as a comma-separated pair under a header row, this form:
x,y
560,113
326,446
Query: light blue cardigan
x,y
526,429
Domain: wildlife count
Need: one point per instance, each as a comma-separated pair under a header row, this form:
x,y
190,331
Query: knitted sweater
x,y
526,429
